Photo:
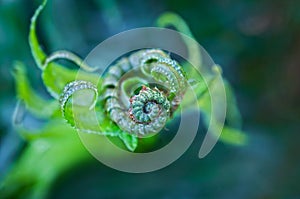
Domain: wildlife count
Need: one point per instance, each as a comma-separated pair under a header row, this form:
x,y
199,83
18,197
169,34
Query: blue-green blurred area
x,y
257,43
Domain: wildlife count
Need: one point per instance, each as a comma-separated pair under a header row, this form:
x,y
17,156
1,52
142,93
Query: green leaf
x,y
233,115
233,136
55,78
231,133
44,158
129,140
34,103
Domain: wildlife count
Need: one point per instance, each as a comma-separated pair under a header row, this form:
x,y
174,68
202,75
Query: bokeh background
x,y
257,43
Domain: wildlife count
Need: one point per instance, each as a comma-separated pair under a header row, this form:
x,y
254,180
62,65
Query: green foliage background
x,y
255,42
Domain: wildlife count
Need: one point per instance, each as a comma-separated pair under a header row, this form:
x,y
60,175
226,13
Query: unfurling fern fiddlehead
x,y
136,96
143,90
134,105
149,110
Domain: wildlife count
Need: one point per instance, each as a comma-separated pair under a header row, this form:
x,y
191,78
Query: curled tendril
x,y
74,86
147,105
148,113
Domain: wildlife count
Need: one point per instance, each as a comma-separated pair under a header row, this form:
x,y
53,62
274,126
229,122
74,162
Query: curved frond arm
x,y
172,19
38,54
67,109
63,54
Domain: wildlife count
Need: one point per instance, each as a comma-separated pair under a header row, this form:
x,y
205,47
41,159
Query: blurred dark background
x,y
257,43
